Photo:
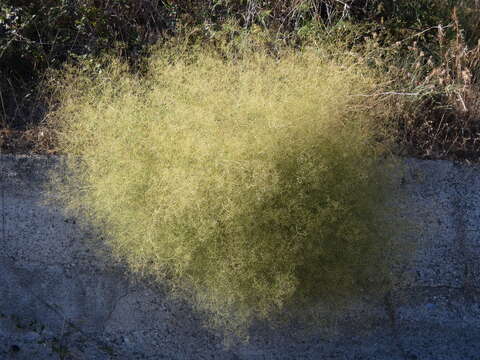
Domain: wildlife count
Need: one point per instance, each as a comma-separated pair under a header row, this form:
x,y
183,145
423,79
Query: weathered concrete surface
x,y
60,301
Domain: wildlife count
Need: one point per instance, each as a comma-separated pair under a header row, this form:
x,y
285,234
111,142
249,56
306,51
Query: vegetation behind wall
x,y
401,37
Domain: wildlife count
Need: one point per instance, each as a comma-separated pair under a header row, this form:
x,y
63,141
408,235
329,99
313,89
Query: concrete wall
x,y
60,301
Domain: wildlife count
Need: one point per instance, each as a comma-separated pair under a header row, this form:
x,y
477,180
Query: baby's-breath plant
x,y
254,187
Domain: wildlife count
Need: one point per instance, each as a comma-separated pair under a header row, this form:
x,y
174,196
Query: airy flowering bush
x,y
254,187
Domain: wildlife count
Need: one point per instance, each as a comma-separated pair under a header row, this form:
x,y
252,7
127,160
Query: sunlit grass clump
x,y
251,186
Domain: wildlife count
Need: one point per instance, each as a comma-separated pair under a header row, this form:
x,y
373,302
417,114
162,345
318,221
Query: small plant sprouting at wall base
x,y
253,186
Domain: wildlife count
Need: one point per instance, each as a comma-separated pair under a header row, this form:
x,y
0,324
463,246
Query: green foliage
x,y
403,18
254,186
42,34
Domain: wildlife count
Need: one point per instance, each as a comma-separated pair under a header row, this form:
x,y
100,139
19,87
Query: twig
x,y
346,8
424,31
465,109
4,118
388,93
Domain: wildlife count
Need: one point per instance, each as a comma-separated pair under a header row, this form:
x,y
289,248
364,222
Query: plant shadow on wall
x,y
255,186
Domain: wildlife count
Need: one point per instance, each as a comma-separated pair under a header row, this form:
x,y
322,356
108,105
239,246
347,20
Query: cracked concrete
x,y
60,301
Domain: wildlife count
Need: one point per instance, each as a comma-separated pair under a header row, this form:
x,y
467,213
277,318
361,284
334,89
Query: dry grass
x,y
254,187
442,120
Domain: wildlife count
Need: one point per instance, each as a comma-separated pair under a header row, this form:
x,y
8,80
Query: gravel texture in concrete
x,y
58,300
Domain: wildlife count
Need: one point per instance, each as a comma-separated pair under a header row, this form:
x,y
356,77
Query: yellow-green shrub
x,y
254,187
